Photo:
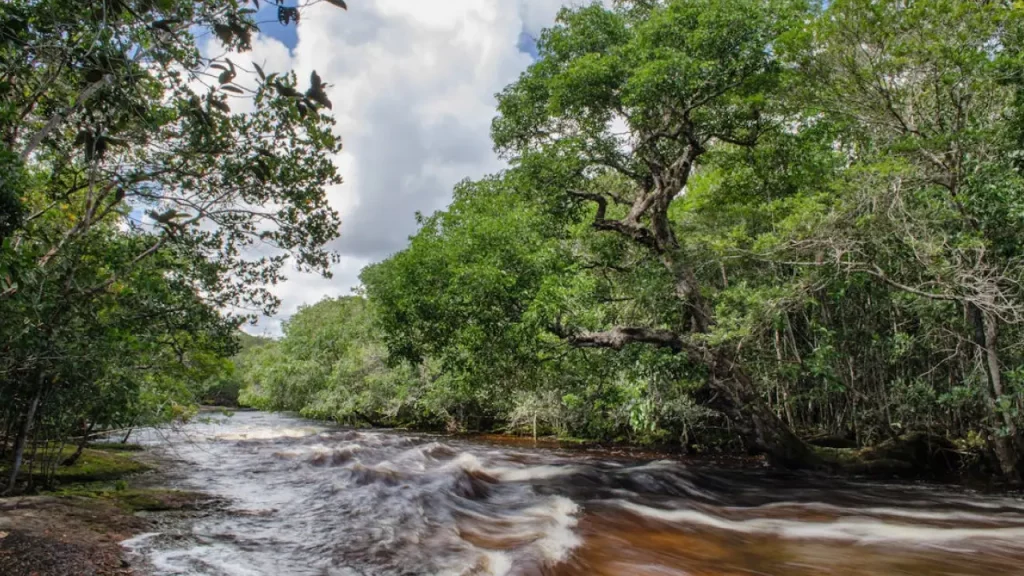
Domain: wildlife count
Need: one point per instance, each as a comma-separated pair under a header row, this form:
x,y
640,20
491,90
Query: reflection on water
x,y
309,499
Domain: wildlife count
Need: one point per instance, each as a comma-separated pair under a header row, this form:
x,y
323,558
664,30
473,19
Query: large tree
x,y
642,93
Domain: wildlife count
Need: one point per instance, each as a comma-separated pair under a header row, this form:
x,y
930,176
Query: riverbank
x,y
76,527
909,457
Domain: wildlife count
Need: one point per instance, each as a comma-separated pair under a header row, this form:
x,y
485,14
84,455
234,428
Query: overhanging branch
x,y
618,337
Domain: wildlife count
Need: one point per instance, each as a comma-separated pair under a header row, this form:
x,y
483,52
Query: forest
x,y
725,226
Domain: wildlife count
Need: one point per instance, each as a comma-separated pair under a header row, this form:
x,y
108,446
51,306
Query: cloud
x,y
413,84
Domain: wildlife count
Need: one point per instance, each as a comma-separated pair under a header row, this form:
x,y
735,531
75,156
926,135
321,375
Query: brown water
x,y
307,499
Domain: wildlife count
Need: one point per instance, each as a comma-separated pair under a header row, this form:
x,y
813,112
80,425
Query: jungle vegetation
x,y
724,225
149,193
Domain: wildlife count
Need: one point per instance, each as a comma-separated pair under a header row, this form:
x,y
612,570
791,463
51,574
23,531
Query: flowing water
x,y
307,499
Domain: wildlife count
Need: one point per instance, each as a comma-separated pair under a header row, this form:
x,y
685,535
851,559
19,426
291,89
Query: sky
x,y
412,87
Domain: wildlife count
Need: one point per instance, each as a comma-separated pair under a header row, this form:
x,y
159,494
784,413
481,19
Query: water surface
x,y
309,499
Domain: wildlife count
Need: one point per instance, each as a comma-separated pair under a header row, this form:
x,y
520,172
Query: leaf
x,y
339,3
221,105
218,103
285,90
219,67
165,25
259,71
261,169
286,15
232,89
319,96
224,33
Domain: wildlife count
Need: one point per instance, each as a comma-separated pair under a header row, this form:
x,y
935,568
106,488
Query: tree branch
x,y
58,117
618,337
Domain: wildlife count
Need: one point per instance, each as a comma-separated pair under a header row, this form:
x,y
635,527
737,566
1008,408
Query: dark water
x,y
306,499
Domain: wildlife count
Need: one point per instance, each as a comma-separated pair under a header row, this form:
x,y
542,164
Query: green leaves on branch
x,y
137,208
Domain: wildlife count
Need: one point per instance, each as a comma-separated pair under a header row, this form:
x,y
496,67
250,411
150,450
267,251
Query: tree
x,y
123,160
332,364
642,93
928,94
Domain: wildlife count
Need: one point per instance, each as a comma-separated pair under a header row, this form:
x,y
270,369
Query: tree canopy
x,y
147,190
763,221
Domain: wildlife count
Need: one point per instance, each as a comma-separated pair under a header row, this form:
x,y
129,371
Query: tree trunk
x,y
735,393
10,422
761,428
71,460
22,439
1003,442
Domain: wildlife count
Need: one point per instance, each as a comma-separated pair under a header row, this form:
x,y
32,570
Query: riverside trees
x,y
136,204
804,217
741,218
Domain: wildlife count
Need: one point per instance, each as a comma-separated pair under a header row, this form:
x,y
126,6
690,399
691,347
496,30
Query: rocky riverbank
x,y
75,529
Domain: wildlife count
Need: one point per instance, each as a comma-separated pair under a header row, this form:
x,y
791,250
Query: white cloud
x,y
413,84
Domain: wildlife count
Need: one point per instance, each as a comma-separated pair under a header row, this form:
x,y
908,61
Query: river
x,y
310,499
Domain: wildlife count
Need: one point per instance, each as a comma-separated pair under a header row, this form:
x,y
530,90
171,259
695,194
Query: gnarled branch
x,y
618,337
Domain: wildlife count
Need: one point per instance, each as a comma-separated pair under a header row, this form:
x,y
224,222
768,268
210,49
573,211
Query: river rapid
x,y
310,499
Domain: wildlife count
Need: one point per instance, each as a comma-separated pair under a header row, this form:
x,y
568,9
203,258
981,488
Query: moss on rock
x,y
136,499
914,454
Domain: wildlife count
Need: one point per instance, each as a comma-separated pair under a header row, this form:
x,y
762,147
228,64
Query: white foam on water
x,y
908,513
545,472
861,530
213,559
467,462
268,433
498,563
136,542
559,539
470,463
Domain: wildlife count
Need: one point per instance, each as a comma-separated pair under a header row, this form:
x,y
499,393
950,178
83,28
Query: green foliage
x,y
331,365
136,207
91,466
720,219
811,212
823,198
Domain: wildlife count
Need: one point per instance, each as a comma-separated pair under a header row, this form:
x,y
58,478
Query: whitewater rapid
x,y
309,499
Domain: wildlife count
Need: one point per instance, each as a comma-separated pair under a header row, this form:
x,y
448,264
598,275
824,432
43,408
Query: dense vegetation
x,y
145,189
724,222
